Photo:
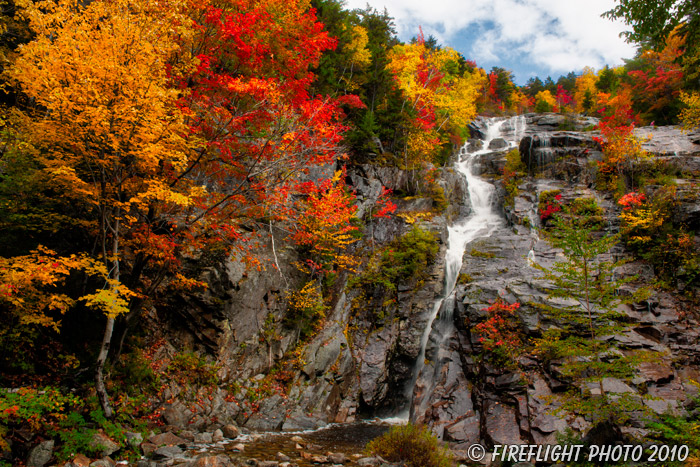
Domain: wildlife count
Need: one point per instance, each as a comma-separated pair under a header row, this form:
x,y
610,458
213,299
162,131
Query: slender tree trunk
x,y
99,372
591,328
114,275
134,313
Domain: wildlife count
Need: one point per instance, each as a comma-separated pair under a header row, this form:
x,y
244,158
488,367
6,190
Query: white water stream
x,y
480,223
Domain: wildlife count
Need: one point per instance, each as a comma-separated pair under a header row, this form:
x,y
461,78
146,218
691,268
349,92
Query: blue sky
x,y
528,37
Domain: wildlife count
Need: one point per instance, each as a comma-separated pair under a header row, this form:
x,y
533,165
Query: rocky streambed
x,y
333,446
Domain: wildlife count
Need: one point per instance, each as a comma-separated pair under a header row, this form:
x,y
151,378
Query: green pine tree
x,y
588,316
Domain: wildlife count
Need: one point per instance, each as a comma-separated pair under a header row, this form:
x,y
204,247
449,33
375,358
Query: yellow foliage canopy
x,y
546,96
585,89
359,53
690,115
436,90
100,75
31,284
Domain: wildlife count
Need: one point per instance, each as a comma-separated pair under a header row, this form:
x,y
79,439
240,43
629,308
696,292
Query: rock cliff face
x,y
358,366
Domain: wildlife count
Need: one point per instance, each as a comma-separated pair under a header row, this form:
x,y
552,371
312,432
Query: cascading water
x,y
481,222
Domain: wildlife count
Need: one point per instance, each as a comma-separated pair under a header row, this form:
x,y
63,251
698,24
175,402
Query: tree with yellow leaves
x,y
106,122
545,102
359,56
585,91
690,115
439,90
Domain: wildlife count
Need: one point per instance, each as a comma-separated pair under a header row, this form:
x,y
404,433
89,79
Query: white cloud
x,y
554,35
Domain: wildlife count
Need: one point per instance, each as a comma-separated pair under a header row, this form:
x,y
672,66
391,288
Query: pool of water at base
x,y
347,439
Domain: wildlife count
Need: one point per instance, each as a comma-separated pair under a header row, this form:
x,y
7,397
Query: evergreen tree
x,y
588,315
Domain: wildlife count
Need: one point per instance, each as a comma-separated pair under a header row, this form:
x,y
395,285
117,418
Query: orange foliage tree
x,y
325,225
621,148
656,87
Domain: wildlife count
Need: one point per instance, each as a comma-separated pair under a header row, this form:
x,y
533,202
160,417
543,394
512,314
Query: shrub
x,y
500,333
188,367
404,261
549,203
135,375
440,203
587,209
678,430
513,172
407,258
649,230
306,309
581,329
35,409
413,445
482,254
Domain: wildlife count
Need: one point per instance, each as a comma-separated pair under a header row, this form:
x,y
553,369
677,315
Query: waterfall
x,y
481,222
519,127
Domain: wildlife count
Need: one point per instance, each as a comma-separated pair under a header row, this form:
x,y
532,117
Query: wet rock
x,y
370,369
41,454
203,438
373,370
133,439
668,141
177,414
104,443
544,423
217,436
104,462
298,421
673,394
502,424
659,373
79,460
512,381
167,452
409,205
315,458
556,154
326,355
147,448
603,433
498,143
187,435
552,120
337,458
282,457
474,145
167,439
268,464
369,461
660,406
212,461
230,431
611,385
463,432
